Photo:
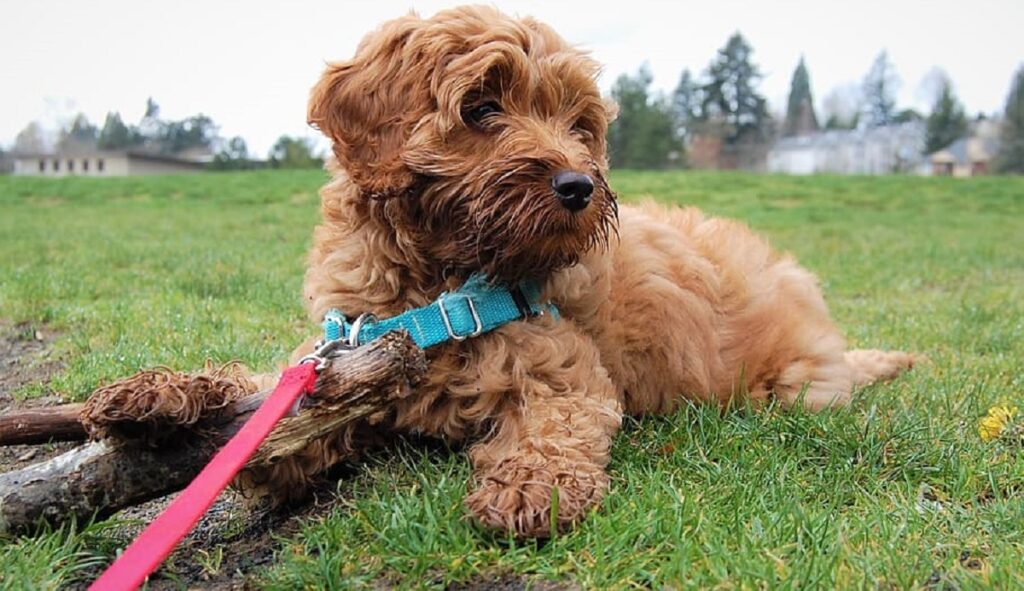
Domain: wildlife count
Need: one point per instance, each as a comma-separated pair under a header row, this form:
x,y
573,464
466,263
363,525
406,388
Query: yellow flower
x,y
998,418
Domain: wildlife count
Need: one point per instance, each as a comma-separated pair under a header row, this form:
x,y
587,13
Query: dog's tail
x,y
868,366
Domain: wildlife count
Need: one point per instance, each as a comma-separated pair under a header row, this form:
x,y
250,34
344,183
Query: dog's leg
x,y
831,381
554,446
816,384
871,365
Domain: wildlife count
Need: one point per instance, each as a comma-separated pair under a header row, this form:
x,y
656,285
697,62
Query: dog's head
x,y
477,137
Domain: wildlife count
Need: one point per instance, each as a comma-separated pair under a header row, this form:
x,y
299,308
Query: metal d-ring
x,y
357,326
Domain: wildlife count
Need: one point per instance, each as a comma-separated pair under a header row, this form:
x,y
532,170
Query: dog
x,y
474,143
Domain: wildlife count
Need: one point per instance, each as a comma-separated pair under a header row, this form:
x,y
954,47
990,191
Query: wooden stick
x,y
103,477
42,425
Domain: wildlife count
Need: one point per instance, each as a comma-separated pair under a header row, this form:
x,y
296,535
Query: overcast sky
x,y
249,65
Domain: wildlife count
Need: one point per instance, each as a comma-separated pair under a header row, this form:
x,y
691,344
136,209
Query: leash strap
x,y
157,541
473,309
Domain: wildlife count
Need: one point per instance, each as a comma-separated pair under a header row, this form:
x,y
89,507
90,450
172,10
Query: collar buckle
x,y
478,327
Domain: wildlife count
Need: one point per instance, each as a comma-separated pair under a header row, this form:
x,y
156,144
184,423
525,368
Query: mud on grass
x,y
232,541
27,360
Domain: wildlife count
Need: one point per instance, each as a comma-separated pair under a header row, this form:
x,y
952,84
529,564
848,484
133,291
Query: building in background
x,y
968,156
881,150
104,163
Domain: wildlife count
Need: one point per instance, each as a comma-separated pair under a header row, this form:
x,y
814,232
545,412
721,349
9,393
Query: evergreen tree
x,y
1011,150
644,134
880,86
686,104
79,133
947,121
800,116
730,96
115,135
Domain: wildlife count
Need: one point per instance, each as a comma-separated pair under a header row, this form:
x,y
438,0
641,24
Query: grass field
x,y
897,491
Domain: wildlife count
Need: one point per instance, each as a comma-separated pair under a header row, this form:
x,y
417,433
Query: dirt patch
x,y
16,457
231,543
26,357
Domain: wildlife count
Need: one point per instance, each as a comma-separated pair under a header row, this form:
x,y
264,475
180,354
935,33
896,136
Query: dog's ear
x,y
611,110
367,107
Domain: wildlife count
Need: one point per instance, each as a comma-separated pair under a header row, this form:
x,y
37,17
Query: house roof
x,y
966,150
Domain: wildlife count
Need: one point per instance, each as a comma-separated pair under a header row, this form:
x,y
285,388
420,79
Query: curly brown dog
x,y
474,142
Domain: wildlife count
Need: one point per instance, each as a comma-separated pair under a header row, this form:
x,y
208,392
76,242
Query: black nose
x,y
573,189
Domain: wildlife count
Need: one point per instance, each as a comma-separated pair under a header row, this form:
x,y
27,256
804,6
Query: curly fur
x,y
658,304
154,405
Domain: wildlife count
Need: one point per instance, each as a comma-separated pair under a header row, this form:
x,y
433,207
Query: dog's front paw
x,y
153,405
518,495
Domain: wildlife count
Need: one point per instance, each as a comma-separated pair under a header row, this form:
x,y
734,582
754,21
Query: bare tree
x,y
31,140
841,107
880,86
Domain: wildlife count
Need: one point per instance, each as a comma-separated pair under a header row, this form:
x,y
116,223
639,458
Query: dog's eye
x,y
477,115
580,128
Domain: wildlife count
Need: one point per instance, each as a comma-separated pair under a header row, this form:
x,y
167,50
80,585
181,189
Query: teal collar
x,y
471,310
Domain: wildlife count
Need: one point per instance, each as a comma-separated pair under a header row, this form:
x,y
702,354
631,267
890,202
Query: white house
x,y
882,150
101,163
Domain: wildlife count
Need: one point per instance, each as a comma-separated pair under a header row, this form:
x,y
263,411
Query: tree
x,y
730,96
842,107
880,87
293,152
907,115
800,116
644,135
197,131
686,104
115,135
151,127
31,140
171,137
79,133
234,155
947,121
1011,150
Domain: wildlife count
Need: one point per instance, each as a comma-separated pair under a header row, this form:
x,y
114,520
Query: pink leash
x,y
157,541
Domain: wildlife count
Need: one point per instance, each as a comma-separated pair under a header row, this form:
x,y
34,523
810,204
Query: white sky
x,y
250,65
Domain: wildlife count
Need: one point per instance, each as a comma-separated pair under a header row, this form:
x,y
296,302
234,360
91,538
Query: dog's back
x,y
685,305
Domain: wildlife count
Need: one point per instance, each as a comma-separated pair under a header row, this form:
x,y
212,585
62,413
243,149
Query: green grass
x,y
896,491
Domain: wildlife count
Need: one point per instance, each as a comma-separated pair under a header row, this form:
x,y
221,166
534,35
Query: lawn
x,y
896,491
